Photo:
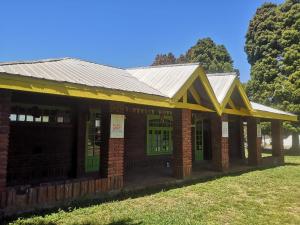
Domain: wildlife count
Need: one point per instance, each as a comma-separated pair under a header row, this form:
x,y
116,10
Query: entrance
x,y
199,140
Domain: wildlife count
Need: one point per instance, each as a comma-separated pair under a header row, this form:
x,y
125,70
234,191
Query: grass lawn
x,y
270,196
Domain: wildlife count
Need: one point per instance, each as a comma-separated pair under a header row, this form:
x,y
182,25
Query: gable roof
x,y
221,83
156,86
168,79
260,107
77,71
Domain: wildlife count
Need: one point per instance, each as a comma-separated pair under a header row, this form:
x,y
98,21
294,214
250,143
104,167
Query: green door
x,y
199,140
93,135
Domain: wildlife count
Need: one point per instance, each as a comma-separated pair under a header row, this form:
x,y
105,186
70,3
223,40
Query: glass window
x,y
159,135
93,141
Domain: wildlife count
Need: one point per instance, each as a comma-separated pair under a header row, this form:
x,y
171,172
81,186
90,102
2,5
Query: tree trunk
x,y
295,142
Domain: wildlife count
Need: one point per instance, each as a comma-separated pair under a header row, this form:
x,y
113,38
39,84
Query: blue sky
x,y
122,33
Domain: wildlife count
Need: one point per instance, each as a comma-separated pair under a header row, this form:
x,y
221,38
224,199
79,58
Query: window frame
x,y
161,130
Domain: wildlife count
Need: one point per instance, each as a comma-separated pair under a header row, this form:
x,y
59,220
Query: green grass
x,y
269,196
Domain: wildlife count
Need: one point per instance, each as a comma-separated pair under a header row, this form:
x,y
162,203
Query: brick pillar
x,y
220,154
81,118
277,140
112,152
182,143
254,141
5,99
241,138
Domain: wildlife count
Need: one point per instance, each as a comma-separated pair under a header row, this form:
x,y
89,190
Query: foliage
x,y
212,57
273,50
164,59
269,196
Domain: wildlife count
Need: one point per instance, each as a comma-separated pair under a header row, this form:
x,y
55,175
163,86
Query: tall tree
x,y
213,58
273,50
164,59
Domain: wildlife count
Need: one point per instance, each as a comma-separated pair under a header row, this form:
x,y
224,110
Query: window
x,y
39,114
93,140
159,135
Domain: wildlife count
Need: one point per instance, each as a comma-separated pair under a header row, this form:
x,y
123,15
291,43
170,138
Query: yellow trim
x,y
230,102
209,91
184,98
14,82
236,112
28,84
270,115
240,89
192,107
195,94
198,73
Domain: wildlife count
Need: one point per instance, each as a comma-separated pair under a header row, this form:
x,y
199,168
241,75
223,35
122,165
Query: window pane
x,y
21,118
45,119
29,118
13,117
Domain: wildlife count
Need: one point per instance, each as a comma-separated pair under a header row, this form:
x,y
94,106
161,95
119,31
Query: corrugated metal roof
x,y
260,107
221,83
79,72
167,79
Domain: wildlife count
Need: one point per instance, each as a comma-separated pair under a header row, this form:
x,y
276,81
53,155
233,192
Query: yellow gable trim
x,y
199,73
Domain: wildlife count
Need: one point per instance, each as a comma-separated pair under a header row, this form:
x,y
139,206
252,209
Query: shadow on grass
x,y
144,191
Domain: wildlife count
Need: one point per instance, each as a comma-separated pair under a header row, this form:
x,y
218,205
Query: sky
x,y
126,33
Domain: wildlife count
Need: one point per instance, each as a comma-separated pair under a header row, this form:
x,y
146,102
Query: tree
x,y
164,59
273,50
212,57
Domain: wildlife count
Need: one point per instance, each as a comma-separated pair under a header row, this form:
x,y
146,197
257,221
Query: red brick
x,y
182,143
254,142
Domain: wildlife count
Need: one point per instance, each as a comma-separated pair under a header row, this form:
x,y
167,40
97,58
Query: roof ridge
x,y
33,61
222,74
158,66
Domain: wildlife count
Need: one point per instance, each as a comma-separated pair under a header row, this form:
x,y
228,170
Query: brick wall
x,y
47,195
112,150
254,142
220,146
136,143
182,143
4,135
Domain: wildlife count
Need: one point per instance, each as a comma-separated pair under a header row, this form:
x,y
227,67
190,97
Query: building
x,y
71,128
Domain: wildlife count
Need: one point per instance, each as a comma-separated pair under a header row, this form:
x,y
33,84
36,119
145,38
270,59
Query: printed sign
x,y
225,129
258,130
117,126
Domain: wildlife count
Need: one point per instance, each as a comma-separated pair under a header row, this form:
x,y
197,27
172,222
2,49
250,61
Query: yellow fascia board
x,y
198,73
34,85
192,107
20,83
236,112
277,116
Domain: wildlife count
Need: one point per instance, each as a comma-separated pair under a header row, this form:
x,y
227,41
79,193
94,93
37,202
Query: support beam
x,y
254,141
195,94
182,143
220,147
5,99
277,140
230,102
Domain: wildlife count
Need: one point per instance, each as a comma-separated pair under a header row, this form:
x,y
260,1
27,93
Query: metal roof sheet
x,y
260,107
79,72
221,83
167,79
